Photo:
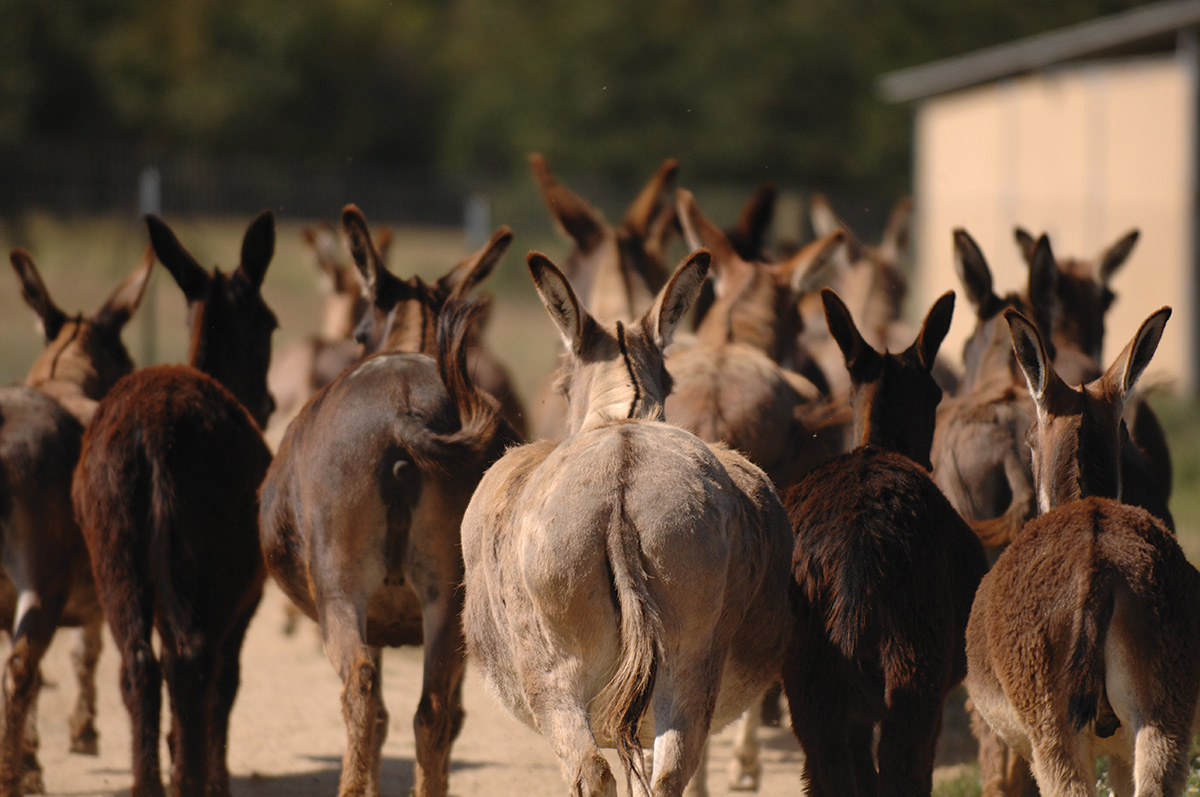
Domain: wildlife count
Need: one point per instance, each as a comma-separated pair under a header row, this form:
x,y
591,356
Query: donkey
x,y
46,580
617,269
1083,636
401,315
1084,295
626,586
166,496
307,365
366,543
884,573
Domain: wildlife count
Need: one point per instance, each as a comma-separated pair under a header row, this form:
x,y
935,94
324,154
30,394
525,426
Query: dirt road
x,y
287,735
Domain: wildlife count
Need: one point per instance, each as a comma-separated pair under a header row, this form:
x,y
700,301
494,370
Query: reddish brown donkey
x,y
1083,636
46,580
360,518
166,495
884,572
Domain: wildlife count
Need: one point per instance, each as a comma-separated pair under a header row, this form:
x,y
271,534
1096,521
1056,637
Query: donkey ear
x,y
50,317
362,249
119,308
855,349
384,236
676,297
933,331
321,240
189,275
973,271
1115,256
1123,374
463,278
556,294
1031,354
1043,284
749,233
1025,242
809,268
897,235
650,200
578,220
258,247
702,233
825,221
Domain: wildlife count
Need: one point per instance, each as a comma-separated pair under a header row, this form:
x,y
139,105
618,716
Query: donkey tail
x,y
163,519
624,700
481,422
1084,675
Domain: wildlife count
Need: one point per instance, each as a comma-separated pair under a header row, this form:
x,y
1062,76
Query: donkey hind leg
x,y
838,747
1062,763
1160,759
698,785
84,655
745,770
226,682
141,688
684,698
20,771
907,741
191,689
439,714
343,628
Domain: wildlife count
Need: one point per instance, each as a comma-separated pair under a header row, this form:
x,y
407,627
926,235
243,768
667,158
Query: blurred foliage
x,y
775,89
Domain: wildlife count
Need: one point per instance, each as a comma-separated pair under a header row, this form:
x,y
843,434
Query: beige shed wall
x,y
1084,154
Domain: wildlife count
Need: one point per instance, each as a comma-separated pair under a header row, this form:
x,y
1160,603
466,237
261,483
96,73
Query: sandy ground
x,y
287,736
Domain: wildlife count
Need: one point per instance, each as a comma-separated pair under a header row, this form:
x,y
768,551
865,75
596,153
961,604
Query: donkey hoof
x,y
745,778
32,783
86,742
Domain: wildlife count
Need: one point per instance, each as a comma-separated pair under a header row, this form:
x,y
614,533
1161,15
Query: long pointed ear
x,y
809,268
189,275
857,352
33,290
1043,286
676,297
1031,355
384,236
973,272
258,247
700,232
324,245
1025,242
572,320
1115,256
825,221
657,192
749,234
1123,374
897,235
574,217
934,329
120,306
362,248
464,277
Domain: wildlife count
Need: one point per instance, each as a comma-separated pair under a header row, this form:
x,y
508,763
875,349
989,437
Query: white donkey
x,y
625,587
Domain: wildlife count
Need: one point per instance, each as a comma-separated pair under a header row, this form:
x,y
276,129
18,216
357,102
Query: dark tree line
x,y
770,89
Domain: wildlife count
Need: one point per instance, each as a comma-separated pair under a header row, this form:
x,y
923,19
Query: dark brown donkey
x,y
884,571
166,495
46,580
1083,636
360,526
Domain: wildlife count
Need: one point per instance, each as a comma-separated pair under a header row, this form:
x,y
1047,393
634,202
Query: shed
x,y
1083,133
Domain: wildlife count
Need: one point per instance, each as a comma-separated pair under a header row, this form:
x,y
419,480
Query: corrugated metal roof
x,y
1151,28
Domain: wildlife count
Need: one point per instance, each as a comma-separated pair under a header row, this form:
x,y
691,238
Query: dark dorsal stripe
x,y
637,387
